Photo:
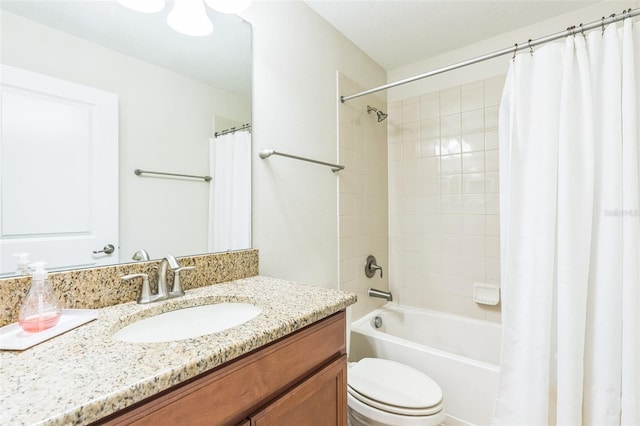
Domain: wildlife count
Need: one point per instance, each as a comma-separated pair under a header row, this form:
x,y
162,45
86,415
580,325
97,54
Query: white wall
x,y
165,122
295,104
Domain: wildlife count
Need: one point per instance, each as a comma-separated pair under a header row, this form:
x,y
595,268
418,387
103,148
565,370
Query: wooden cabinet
x,y
321,400
300,380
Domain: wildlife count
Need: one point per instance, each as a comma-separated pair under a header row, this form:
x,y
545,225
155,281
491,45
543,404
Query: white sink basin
x,y
188,323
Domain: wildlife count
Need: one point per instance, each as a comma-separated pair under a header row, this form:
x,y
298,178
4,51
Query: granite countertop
x,y
84,375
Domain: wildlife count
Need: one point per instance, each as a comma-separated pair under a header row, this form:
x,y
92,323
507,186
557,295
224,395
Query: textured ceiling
x,y
395,33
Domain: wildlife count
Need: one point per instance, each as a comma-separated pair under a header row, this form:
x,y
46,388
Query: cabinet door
x,y
321,400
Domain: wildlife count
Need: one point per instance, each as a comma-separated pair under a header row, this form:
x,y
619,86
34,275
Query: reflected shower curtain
x,y
570,233
230,192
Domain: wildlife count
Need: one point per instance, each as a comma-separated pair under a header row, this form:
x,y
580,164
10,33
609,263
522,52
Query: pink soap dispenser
x,y
41,309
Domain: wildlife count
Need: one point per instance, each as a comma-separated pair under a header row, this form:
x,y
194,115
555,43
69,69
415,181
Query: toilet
x,y
381,392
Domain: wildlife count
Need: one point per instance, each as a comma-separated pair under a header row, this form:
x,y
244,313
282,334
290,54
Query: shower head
x,y
381,115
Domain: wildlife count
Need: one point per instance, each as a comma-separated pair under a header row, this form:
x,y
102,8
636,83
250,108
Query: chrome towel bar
x,y
265,153
139,172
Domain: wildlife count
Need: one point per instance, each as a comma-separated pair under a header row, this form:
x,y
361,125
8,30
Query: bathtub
x,y
462,355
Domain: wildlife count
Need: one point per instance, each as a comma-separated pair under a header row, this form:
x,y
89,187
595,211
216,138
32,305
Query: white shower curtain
x,y
230,192
570,226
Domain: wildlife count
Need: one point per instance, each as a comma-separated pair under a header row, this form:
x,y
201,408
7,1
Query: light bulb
x,y
145,6
189,17
229,6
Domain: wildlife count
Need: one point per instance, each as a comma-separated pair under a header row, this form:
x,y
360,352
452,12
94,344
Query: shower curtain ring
x,y
581,29
602,25
530,48
572,30
515,49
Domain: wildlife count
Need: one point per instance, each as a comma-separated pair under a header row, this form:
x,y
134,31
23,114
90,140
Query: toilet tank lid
x,y
392,383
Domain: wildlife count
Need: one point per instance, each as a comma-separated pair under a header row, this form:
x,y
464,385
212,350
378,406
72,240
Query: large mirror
x,y
165,95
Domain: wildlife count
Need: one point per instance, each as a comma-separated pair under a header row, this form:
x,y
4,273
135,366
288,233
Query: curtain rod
x,y
246,126
628,13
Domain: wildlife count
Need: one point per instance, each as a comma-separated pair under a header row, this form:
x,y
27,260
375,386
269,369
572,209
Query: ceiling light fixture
x,y
190,17
145,6
229,6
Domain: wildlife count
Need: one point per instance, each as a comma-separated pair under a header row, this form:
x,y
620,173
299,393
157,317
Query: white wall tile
x,y
410,112
430,128
493,224
450,164
451,245
430,147
473,162
473,224
474,246
491,117
444,225
491,139
473,183
430,108
472,142
492,204
451,184
473,204
492,94
450,103
491,160
451,224
450,125
472,121
451,204
410,150
472,99
411,131
450,145
492,182
430,166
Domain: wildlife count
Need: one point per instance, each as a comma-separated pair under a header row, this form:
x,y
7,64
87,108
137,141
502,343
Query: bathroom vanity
x,y
300,379
285,366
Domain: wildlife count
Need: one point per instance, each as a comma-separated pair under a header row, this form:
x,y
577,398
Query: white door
x,y
58,171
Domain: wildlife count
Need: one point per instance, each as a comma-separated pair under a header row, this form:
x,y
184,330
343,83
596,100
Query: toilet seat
x,y
394,388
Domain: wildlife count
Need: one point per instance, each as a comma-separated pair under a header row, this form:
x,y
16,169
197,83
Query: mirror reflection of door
x,y
47,122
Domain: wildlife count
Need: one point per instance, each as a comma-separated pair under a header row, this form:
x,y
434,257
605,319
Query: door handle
x,y
108,249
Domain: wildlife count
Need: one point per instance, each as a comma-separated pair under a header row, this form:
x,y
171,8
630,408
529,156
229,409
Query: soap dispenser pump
x,y
23,263
41,309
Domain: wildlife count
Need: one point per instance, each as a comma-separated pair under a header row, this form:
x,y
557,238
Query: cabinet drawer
x,y
230,393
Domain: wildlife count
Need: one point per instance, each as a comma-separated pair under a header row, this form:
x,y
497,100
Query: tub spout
x,y
373,292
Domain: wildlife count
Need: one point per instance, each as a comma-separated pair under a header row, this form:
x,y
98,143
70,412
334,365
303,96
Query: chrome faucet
x,y
371,266
167,262
163,292
374,292
141,255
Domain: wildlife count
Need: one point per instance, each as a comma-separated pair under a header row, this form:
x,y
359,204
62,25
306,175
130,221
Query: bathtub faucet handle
x,y
371,267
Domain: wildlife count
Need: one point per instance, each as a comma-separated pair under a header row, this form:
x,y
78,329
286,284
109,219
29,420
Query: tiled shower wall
x,y
363,218
443,198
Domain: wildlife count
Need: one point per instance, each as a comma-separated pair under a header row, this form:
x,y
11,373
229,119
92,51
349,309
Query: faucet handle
x,y
176,289
145,292
371,267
